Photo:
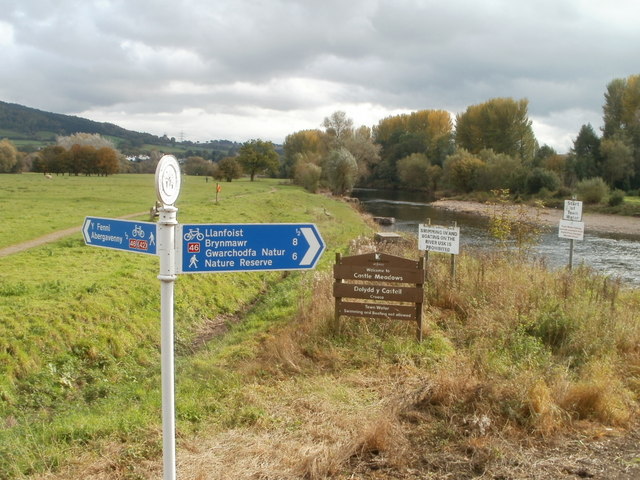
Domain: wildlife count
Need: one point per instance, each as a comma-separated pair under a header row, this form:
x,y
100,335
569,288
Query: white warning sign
x,y
436,238
571,230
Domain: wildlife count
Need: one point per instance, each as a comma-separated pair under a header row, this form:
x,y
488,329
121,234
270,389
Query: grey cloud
x,y
401,54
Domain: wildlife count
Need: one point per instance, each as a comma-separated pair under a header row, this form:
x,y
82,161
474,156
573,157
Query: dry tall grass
x,y
514,354
534,353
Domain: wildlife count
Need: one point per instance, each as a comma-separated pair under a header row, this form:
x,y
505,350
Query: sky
x,y
204,70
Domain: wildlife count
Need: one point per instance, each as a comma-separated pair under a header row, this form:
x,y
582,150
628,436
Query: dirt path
x,y
594,222
50,237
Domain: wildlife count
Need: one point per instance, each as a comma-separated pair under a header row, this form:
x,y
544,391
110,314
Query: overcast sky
x,y
242,69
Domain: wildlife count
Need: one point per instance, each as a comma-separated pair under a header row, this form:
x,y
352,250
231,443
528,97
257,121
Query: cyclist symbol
x,y
193,233
138,232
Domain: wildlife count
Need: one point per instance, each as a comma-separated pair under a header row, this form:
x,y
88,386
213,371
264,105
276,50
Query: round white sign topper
x,y
168,180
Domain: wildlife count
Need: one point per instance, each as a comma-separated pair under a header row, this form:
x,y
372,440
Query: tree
x,y
49,159
413,171
617,167
500,124
426,132
8,156
107,161
586,149
367,153
540,178
257,156
592,190
307,175
94,140
544,152
462,170
342,171
196,166
229,168
500,172
338,128
302,142
622,121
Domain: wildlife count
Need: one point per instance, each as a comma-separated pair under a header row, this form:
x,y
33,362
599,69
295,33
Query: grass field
x,y
79,325
269,385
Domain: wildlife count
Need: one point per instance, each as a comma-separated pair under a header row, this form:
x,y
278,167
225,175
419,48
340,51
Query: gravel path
x,y
594,222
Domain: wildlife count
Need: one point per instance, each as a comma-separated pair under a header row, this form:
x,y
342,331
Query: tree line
x,y
489,146
492,146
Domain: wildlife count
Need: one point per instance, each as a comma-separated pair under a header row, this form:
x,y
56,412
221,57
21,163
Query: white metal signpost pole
x,y
167,190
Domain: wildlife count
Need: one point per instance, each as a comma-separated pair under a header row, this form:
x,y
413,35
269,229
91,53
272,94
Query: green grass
x,y
79,326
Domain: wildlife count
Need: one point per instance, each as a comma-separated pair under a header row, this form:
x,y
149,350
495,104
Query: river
x,y
609,254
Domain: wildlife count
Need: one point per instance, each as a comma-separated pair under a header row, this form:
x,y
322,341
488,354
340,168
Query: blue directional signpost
x,y
198,248
248,247
127,235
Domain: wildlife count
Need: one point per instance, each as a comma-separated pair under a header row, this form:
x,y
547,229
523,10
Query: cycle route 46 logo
x,y
189,236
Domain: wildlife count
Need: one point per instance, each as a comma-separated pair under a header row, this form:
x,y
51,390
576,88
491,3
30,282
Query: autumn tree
x,y
107,161
307,175
499,172
302,142
417,173
258,156
8,156
462,170
500,124
428,132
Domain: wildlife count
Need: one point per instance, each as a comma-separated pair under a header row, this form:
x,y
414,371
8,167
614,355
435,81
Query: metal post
x,y
570,254
167,277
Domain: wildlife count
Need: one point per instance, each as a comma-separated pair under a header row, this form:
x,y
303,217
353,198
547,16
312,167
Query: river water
x,y
610,254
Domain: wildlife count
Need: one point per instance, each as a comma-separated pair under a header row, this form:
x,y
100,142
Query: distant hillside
x,y
30,128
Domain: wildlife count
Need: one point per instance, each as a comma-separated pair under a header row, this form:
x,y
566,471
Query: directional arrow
x,y
248,247
85,230
314,246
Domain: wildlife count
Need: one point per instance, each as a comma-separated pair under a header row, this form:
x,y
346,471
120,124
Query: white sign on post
x,y
572,210
436,238
571,230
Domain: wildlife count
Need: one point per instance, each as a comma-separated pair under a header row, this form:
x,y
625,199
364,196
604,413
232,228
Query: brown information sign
x,y
377,310
377,278
378,292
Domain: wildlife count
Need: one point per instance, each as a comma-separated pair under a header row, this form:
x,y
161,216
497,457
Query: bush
x,y
616,198
592,190
563,192
308,176
540,178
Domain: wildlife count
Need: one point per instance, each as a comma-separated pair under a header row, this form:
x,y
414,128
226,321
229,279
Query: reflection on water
x,y
610,254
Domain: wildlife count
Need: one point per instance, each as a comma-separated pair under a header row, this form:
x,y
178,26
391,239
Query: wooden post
x,y
421,264
336,318
570,254
426,259
453,260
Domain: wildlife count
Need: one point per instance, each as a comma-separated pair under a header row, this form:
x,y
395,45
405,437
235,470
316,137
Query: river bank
x,y
594,222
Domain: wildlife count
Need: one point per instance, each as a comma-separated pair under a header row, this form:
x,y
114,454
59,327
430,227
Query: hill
x,y
30,128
